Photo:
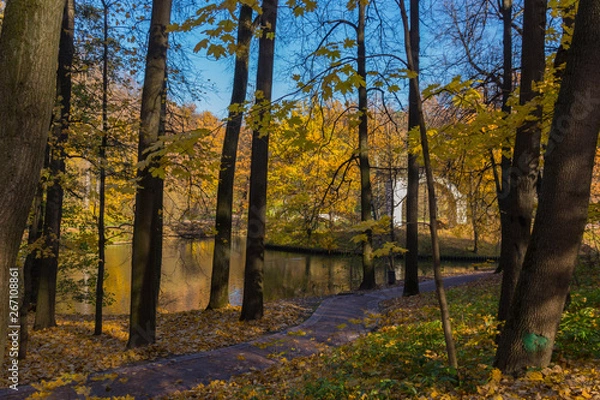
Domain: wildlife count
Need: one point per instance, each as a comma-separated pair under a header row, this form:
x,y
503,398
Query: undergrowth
x,y
405,357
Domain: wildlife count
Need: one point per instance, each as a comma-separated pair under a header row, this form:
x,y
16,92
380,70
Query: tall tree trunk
x,y
219,286
530,331
102,183
46,300
474,210
525,161
392,179
411,260
503,184
147,229
435,245
366,194
252,306
28,60
563,49
34,234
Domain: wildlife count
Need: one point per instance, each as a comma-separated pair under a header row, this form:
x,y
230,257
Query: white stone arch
x,y
400,192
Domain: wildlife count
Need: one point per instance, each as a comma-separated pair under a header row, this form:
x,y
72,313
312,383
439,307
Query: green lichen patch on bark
x,y
534,343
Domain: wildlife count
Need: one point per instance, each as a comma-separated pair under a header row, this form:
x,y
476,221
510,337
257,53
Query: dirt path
x,y
330,325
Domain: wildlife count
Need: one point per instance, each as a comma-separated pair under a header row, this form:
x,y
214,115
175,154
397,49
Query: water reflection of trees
x,y
187,265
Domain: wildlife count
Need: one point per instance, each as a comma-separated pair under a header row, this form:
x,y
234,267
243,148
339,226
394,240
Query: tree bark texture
x,y
391,272
102,180
529,334
46,300
366,193
525,168
252,306
435,244
34,234
219,286
28,60
147,229
503,185
411,260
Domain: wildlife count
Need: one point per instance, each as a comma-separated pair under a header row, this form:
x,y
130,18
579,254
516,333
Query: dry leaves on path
x,y
71,348
405,359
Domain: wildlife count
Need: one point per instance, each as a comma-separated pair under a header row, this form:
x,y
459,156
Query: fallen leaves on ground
x,y
70,348
405,357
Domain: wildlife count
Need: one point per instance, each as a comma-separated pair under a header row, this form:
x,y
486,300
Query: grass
x,y
405,357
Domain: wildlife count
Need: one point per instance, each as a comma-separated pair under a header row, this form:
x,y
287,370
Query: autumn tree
x,y
411,260
102,177
433,228
528,337
147,231
252,306
219,293
366,192
502,180
525,167
29,43
46,294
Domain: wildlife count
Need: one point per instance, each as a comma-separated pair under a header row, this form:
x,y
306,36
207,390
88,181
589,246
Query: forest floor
x,y
70,353
381,364
70,348
404,358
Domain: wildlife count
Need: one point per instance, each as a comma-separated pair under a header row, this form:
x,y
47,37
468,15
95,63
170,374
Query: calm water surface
x,y
186,270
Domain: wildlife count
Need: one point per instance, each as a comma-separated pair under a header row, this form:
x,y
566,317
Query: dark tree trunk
x,y
366,195
391,273
563,50
503,185
102,183
147,229
29,43
252,306
219,287
435,245
34,234
45,307
530,331
525,163
473,192
411,260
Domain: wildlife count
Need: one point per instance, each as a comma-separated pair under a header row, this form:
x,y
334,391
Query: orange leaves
x,y
71,349
555,382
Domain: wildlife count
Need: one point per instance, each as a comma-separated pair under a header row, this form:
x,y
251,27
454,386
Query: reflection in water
x,y
186,270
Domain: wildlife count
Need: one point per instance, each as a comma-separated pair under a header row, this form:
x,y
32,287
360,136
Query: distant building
x,y
452,204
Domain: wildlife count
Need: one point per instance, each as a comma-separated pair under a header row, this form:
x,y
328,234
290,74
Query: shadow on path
x,y
330,325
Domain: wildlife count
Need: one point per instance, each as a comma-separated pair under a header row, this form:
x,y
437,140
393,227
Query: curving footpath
x,y
332,324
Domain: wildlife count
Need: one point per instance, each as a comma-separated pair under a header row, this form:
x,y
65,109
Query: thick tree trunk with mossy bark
x,y
529,334
219,284
46,300
366,194
525,162
252,306
411,258
28,59
147,229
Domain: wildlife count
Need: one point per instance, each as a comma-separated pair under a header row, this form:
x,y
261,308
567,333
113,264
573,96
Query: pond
x,y
186,270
